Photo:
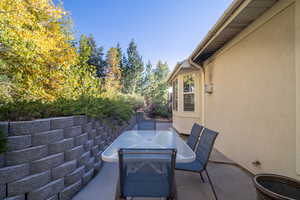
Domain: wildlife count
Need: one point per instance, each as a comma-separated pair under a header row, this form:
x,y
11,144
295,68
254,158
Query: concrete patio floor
x,y
230,181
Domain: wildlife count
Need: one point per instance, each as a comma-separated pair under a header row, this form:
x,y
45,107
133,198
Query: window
x,y
188,93
175,95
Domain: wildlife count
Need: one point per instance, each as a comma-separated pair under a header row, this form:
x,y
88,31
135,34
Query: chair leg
x,y
212,186
201,177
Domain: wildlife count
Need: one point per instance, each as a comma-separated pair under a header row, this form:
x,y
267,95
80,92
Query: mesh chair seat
x,y
149,187
194,136
203,150
146,172
146,125
192,166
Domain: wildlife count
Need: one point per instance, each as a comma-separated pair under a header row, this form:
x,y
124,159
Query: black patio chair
x,y
143,124
147,173
204,148
146,125
194,136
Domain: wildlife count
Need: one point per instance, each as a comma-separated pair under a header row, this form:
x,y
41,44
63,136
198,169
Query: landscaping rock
x,y
79,120
18,142
70,191
48,137
2,191
63,169
13,173
29,183
61,122
81,139
47,191
73,131
25,155
95,150
20,197
92,134
74,153
55,197
90,164
84,159
87,177
46,163
74,176
87,127
61,146
88,145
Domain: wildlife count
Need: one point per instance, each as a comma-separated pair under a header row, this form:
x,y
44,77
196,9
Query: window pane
x,y
175,95
188,83
189,103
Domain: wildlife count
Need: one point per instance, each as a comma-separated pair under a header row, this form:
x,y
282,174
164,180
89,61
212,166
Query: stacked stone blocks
x,y
51,159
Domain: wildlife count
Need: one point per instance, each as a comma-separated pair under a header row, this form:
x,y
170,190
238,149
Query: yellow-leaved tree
x,y
35,50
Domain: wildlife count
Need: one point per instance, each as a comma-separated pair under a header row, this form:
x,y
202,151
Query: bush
x,y
118,108
3,142
158,110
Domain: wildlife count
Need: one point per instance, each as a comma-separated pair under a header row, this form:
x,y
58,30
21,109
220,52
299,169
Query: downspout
x,y
203,87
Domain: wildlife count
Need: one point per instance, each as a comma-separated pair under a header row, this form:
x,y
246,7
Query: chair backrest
x,y
146,125
194,136
205,146
146,172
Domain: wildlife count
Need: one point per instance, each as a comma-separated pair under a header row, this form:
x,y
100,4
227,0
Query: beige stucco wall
x,y
253,105
184,120
297,64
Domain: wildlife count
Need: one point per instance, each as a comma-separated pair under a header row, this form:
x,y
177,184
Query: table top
x,y
150,139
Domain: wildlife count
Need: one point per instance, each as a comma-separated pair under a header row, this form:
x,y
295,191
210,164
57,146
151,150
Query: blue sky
x,y
163,29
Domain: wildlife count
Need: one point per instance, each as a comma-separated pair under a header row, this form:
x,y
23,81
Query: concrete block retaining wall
x,y
52,159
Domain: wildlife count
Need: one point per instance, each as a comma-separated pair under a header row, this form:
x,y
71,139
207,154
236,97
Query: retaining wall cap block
x,y
72,131
88,145
92,134
61,146
64,169
84,159
79,120
20,197
29,127
87,177
4,127
95,150
46,163
13,173
55,197
99,131
2,191
48,137
90,164
74,176
98,140
28,183
87,127
98,157
81,139
25,155
97,166
18,142
70,191
74,153
61,122
47,191
2,160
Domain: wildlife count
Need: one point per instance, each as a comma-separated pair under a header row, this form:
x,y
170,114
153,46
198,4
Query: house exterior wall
x,y
184,120
297,64
253,104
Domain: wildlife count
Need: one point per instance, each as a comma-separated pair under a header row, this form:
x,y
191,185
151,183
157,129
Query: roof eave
x,y
222,20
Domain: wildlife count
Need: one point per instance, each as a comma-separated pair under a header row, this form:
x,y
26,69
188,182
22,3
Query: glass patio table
x,y
150,140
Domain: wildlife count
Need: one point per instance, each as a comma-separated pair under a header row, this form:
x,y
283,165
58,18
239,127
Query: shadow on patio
x,y
231,182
